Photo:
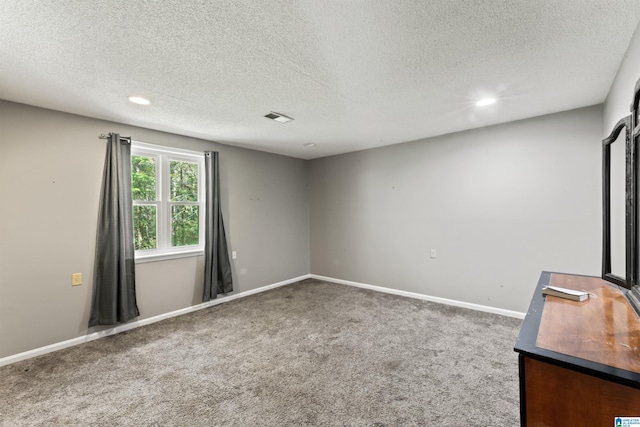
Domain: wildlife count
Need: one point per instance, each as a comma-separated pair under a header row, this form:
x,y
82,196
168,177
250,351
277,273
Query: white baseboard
x,y
137,323
478,307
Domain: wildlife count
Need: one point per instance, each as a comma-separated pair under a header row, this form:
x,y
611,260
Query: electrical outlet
x,y
234,255
76,279
433,253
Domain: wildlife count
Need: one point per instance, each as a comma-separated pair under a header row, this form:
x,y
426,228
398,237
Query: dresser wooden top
x,y
600,335
602,329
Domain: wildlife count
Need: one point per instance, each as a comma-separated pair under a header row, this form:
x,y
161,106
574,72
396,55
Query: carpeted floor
x,y
310,353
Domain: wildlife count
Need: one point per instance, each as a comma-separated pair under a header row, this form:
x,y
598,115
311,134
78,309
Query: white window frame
x,y
164,155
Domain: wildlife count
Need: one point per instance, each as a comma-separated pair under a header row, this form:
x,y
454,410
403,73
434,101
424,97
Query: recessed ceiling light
x,y
278,117
139,100
485,102
309,144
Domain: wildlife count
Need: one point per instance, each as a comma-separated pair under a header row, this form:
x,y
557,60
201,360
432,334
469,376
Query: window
x,y
168,201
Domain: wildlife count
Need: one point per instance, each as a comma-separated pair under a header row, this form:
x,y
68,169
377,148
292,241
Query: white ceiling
x,y
354,74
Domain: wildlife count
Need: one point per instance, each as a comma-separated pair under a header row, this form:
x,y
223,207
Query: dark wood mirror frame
x,y
629,280
630,124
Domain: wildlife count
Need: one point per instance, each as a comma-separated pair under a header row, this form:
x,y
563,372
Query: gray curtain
x,y
217,267
114,289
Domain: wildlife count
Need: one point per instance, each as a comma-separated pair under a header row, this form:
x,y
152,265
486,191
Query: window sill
x,y
141,259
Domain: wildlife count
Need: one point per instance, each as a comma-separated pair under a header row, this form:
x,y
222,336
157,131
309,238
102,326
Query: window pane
x,y
144,227
143,178
184,181
184,225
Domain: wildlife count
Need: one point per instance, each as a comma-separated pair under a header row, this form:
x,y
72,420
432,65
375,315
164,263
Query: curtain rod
x,y
103,136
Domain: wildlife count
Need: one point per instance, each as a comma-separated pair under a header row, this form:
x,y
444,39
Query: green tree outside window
x,y
143,188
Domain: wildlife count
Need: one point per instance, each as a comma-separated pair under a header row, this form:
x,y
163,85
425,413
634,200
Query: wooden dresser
x,y
579,361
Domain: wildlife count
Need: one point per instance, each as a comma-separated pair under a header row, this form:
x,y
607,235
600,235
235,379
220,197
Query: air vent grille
x,y
278,117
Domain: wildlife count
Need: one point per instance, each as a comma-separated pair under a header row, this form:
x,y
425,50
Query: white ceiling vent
x,y
278,117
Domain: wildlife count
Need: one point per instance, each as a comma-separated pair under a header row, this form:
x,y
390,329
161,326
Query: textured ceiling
x,y
354,74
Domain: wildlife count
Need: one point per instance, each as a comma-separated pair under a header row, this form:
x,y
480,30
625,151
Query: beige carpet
x,y
310,353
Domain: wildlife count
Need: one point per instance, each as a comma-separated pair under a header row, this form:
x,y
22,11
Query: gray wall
x,y
499,204
50,173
